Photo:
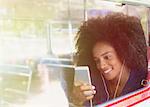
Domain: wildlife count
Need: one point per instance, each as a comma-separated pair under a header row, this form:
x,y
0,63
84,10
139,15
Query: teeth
x,y
107,71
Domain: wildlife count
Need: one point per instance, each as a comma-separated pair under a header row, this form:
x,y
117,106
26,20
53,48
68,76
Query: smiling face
x,y
107,60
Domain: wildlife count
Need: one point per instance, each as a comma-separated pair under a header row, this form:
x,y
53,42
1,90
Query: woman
x,y
114,48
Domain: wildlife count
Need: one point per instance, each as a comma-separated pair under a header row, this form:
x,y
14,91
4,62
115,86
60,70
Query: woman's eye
x,y
107,57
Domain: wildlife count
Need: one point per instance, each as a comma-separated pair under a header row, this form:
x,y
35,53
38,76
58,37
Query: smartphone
x,y
82,75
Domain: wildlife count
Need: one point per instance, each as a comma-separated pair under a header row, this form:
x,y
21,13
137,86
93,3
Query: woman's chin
x,y
109,77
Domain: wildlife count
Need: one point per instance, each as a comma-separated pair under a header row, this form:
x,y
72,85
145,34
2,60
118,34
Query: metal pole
x,y
49,34
85,10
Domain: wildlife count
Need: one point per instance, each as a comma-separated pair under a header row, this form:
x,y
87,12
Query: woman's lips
x,y
107,71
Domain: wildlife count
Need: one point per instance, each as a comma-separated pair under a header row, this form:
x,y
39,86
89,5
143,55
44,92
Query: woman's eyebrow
x,y
106,53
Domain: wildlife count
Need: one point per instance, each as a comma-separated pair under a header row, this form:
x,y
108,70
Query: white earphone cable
x,y
117,86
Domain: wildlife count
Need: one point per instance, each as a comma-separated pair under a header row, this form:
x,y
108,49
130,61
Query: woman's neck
x,y
123,79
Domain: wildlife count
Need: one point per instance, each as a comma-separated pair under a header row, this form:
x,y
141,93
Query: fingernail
x,y
94,92
93,87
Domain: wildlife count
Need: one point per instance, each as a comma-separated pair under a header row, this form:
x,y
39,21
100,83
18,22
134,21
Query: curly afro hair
x,y
123,32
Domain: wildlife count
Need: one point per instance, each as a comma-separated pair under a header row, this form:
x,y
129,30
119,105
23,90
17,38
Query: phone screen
x,y
82,74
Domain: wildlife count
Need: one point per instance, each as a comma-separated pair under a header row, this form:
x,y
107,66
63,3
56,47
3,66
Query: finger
x,y
78,83
87,87
89,93
90,97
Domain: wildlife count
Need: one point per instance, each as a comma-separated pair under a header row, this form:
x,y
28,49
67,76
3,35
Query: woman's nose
x,y
102,65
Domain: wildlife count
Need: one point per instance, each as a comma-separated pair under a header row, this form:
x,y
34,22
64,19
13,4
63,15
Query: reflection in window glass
x,y
21,39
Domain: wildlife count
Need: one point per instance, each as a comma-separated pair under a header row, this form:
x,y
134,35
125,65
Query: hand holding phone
x,y
82,80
